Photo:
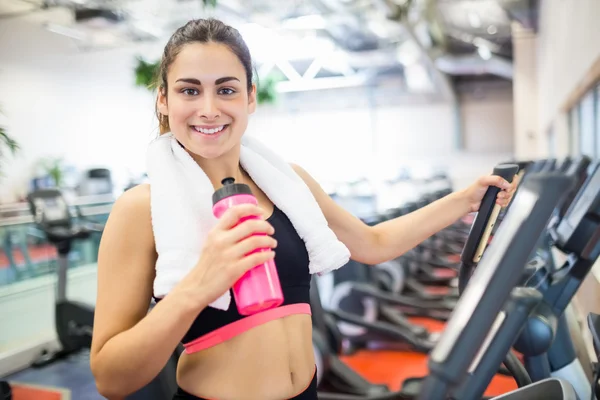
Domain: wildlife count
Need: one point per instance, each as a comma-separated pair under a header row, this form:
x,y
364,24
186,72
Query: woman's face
x,y
207,103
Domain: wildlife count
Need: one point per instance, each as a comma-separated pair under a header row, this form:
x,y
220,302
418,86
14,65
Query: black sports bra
x,y
291,260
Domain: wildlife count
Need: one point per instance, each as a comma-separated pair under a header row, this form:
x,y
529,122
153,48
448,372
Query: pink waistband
x,y
238,327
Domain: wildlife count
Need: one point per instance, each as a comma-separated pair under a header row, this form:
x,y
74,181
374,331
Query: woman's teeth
x,y
210,131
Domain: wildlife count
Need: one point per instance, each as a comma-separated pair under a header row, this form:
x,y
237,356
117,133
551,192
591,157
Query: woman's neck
x,y
228,165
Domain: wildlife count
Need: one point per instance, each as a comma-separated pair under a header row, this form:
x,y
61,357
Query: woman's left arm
x,y
392,238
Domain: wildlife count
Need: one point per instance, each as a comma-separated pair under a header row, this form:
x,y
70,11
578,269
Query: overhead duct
x,y
526,12
97,16
474,65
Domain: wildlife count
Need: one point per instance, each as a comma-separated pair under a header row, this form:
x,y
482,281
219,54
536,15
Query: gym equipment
x,y
594,326
465,354
352,295
333,374
5,391
364,315
483,225
545,341
73,320
474,247
492,310
96,181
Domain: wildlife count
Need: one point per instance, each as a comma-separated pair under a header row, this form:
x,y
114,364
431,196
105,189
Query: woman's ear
x,y
161,102
252,100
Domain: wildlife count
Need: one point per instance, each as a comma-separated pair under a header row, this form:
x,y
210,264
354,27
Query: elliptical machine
x,y
73,320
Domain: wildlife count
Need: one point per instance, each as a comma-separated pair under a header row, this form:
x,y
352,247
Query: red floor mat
x,y
392,368
431,325
26,392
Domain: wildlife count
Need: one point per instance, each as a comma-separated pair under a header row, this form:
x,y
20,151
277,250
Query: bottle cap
x,y
230,188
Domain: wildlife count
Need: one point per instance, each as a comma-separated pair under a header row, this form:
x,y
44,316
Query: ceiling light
x,y
305,22
484,52
474,19
492,30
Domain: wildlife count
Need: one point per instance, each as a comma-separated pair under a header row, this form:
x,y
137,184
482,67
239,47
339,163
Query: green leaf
x,y
146,74
266,89
54,168
209,3
6,142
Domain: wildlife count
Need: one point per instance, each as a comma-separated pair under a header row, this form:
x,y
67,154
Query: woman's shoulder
x,y
133,205
137,196
129,226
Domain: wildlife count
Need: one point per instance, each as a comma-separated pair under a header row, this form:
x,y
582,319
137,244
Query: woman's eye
x,y
226,91
190,92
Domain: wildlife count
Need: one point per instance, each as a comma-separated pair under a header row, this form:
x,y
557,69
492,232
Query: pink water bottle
x,y
259,288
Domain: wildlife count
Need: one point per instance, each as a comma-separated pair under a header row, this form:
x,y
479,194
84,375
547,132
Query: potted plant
x,y
54,168
7,144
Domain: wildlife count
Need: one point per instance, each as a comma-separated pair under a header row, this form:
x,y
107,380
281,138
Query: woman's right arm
x,y
130,346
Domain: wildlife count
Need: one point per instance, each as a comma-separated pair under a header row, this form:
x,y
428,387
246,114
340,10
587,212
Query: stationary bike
x,y
73,320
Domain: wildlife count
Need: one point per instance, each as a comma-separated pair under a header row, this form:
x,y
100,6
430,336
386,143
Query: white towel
x,y
181,208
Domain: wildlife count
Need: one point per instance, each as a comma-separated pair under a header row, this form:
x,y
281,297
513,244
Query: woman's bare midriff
x,y
273,361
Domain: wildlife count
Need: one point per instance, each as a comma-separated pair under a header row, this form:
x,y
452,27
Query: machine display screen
x,y
580,207
520,209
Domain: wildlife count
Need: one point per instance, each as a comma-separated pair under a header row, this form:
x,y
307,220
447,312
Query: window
x,y
574,131
552,141
597,116
587,125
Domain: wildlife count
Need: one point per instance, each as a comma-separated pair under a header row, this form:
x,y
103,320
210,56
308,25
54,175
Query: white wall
x,y
567,46
527,132
61,103
488,120
549,66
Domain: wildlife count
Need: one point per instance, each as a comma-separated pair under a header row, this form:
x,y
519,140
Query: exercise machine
x,y
96,181
73,320
367,314
493,309
545,341
333,374
364,314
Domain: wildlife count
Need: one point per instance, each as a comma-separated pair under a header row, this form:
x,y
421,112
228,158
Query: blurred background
x,y
380,100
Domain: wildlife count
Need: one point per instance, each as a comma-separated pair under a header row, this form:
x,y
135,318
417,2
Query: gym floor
x,y
69,379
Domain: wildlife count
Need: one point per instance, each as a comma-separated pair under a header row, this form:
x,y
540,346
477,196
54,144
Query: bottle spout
x,y
228,181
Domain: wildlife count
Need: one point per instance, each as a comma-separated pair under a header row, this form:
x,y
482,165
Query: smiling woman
x,y
205,96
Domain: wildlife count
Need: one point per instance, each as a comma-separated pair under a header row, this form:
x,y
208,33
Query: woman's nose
x,y
209,108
